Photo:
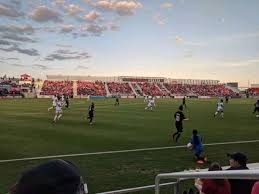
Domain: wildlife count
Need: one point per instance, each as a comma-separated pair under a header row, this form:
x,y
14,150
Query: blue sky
x,y
201,39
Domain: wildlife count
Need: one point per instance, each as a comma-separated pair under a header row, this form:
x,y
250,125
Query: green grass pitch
x,y
26,130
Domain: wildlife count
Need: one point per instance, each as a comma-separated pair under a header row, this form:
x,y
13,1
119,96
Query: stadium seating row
x,y
124,89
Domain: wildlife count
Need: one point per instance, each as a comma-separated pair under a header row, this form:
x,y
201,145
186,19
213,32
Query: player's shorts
x,y
91,114
179,127
256,109
59,111
220,110
198,151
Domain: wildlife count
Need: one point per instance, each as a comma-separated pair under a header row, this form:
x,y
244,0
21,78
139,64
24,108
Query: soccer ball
x,y
189,146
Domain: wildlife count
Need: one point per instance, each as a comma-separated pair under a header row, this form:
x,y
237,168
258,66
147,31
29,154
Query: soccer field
x,y
27,131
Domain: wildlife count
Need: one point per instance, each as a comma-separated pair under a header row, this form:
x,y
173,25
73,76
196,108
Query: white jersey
x,y
151,102
220,106
58,107
54,100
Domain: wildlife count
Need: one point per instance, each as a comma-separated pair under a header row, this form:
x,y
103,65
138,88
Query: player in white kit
x,y
54,102
220,109
151,103
58,114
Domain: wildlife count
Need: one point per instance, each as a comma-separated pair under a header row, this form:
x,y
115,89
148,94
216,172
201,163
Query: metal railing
x,y
232,174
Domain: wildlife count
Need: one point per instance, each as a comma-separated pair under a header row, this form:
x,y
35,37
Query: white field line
x,y
121,151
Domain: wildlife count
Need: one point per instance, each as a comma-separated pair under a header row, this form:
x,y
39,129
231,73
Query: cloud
x,y
123,8
30,52
159,19
92,15
19,38
41,67
62,54
67,28
73,9
59,2
10,58
179,40
82,67
5,42
95,29
44,14
26,29
64,45
166,5
17,65
114,27
9,11
243,63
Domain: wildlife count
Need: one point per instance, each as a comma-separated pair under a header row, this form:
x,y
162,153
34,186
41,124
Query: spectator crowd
x,y
57,87
122,89
91,88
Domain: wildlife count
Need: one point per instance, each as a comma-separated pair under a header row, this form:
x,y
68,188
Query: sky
x,y
189,39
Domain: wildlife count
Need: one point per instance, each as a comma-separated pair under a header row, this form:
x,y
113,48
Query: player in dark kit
x,y
67,101
184,102
91,113
117,103
179,117
256,107
226,98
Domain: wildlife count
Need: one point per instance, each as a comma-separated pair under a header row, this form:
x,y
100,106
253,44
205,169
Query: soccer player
x,y
184,102
117,103
58,114
91,113
226,98
54,102
197,145
256,109
179,117
67,101
151,104
220,109
145,98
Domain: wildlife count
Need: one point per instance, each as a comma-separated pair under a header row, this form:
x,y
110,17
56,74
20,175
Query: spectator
x,y
215,186
255,189
238,161
53,177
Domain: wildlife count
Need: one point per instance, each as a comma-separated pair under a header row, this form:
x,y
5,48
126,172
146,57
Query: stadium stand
x,y
137,89
163,89
9,87
122,89
200,90
253,91
91,88
57,87
150,89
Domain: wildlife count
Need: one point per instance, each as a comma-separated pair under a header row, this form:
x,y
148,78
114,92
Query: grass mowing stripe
x,y
122,151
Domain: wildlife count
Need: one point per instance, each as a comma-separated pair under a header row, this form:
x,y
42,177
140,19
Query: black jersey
x,y
179,117
91,109
256,105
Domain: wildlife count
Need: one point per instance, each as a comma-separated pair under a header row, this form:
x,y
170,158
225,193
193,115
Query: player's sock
x,y
174,134
55,118
59,116
177,137
222,115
